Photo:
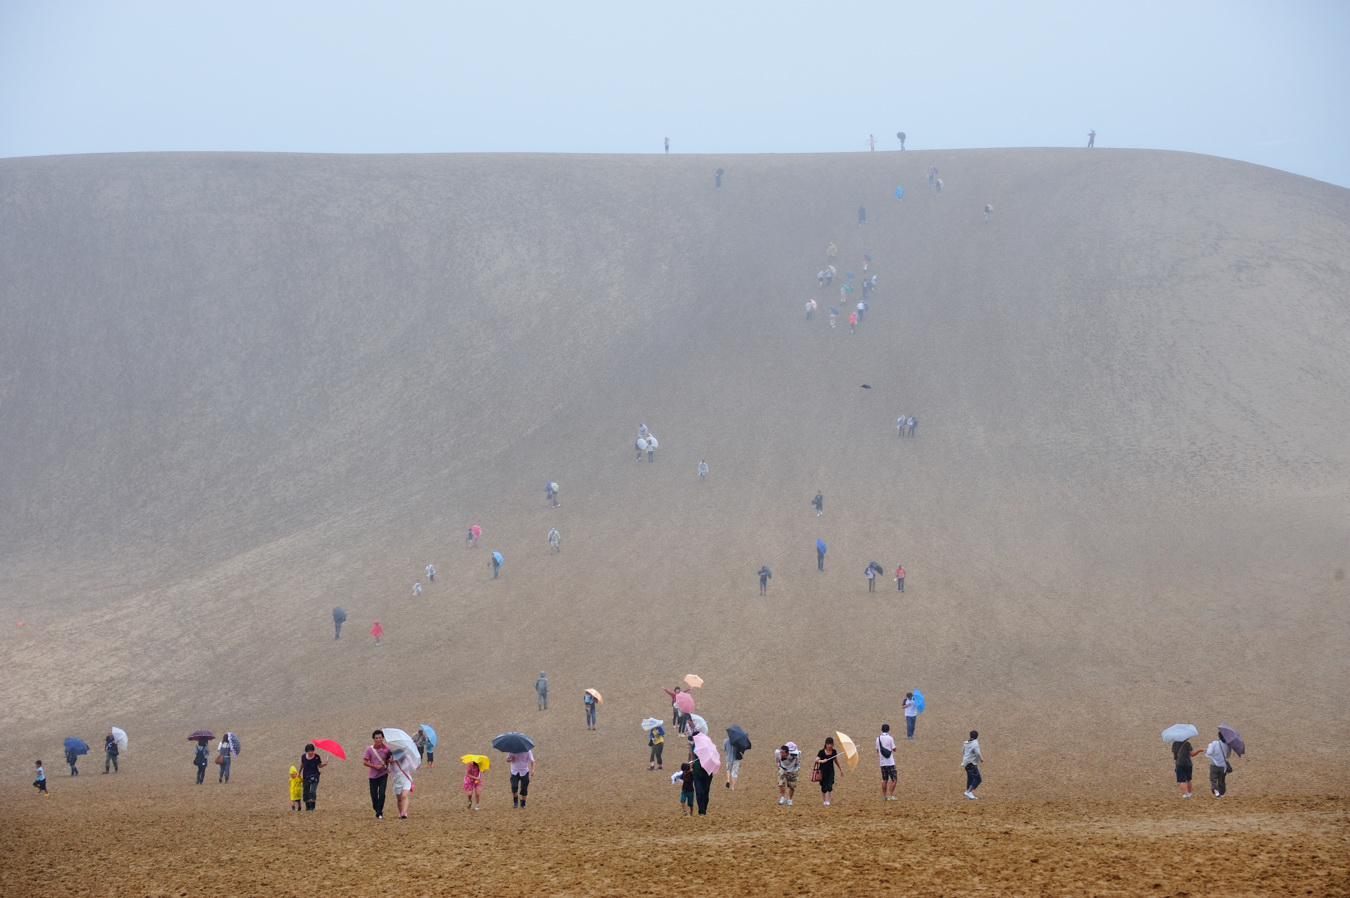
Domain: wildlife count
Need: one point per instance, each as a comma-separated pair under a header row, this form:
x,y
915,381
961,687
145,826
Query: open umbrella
x,y
330,746
693,680
481,760
403,746
820,543
1179,732
849,749
76,745
900,192
700,725
651,723
235,746
595,695
201,734
875,565
1233,739
740,739
497,557
707,753
513,743
120,737
685,702
919,702
431,734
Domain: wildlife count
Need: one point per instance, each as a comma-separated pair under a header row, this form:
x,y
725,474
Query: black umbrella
x,y
339,615
876,567
513,743
766,572
740,740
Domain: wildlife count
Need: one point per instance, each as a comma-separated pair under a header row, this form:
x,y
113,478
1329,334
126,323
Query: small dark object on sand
x,y
867,386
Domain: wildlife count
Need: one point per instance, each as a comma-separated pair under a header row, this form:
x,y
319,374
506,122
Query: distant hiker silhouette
x,y
862,216
939,186
818,503
339,618
551,493
1092,139
702,470
718,176
872,142
667,144
555,540
496,562
820,554
987,209
932,174
901,136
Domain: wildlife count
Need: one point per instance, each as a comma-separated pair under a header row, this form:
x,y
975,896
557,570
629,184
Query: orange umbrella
x,y
694,680
595,695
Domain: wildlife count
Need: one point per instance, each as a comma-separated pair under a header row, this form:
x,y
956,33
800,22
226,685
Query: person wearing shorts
x,y
886,752
733,763
789,765
400,781
522,766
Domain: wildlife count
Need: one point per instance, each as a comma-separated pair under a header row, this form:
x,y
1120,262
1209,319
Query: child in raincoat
x,y
296,786
377,631
473,780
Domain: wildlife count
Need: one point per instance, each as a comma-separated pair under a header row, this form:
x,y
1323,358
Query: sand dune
x,y
237,390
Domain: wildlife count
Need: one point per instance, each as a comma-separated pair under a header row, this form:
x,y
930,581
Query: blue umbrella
x,y
900,192
431,734
497,557
918,701
513,743
76,745
833,310
820,546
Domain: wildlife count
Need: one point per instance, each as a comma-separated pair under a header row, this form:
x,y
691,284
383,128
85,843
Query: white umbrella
x,y
405,750
651,723
1179,732
120,737
700,725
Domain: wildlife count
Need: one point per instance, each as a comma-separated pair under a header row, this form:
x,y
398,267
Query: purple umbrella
x,y
1232,738
200,734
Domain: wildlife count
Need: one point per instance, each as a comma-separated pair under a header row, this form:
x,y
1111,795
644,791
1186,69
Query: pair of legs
x,y
590,717
473,796
378,785
888,781
687,804
909,726
310,792
520,788
109,760
224,771
733,772
763,586
1184,775
973,779
1218,780
201,774
702,782
871,584
654,762
826,790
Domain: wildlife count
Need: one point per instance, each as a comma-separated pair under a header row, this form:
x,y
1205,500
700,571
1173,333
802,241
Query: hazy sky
x,y
1267,82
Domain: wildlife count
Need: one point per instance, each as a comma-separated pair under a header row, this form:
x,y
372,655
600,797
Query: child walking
x,y
41,782
686,790
473,780
296,787
377,631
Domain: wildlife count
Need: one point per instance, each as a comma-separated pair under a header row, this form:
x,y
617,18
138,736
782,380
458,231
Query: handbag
x,y
220,759
815,773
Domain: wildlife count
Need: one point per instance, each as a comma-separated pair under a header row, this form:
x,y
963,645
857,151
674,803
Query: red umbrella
x,y
330,746
685,702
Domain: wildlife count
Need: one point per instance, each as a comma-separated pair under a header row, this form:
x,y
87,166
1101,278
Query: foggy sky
x,y
1265,82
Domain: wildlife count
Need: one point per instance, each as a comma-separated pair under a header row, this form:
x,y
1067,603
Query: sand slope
x,y
237,390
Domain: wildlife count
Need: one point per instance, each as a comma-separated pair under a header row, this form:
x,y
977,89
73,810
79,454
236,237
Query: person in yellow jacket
x,y
295,789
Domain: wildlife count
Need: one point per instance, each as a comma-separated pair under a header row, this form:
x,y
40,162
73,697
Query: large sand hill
x,y
237,390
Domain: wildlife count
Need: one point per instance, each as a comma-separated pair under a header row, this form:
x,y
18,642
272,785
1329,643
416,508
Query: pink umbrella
x,y
685,702
707,753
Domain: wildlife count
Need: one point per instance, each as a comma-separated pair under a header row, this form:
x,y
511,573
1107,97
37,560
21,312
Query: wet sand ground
x,y
172,842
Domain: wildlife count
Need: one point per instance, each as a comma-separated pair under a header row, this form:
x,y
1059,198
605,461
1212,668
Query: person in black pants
x,y
110,752
702,782
71,759
310,764
201,759
377,759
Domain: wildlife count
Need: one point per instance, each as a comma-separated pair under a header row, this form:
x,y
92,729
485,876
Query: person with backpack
x,y
200,759
886,752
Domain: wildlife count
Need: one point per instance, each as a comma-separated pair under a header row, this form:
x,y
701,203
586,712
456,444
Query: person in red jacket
x,y
900,577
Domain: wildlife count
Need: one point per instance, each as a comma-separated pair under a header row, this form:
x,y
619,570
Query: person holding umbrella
x,y
110,752
224,754
705,763
310,765
591,700
522,768
75,748
827,762
1219,768
202,755
656,741
1180,738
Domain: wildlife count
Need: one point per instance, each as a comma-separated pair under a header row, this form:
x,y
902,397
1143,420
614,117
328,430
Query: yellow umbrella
x,y
848,748
595,695
482,762
693,680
